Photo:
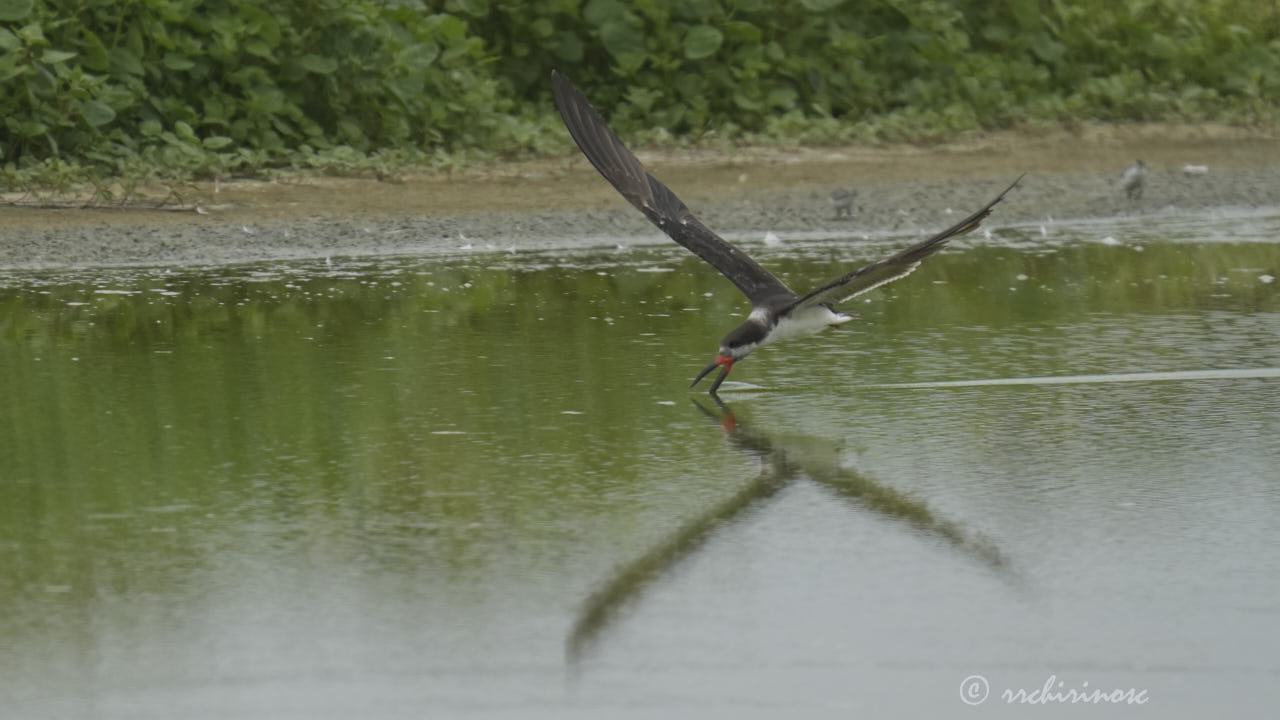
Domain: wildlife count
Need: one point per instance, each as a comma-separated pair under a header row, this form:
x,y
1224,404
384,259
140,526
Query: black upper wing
x,y
895,266
623,170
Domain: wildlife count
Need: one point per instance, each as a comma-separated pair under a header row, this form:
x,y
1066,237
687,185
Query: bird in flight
x,y
777,312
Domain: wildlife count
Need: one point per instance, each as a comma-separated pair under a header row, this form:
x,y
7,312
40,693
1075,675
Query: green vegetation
x,y
180,88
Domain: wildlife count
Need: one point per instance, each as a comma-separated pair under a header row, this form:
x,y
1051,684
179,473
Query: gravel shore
x,y
562,203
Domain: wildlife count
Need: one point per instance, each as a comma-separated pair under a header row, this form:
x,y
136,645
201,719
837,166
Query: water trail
x,y
1161,376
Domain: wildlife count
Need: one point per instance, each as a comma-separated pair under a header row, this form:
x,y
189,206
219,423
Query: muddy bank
x,y
563,203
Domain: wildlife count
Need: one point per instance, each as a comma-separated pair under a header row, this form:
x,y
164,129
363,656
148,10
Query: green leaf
x,y
820,5
542,28
95,53
42,82
746,101
600,12
175,61
15,10
27,128
625,44
8,41
569,48
150,128
123,60
96,112
32,34
317,64
450,28
10,69
419,56
262,23
258,47
53,57
784,97
702,42
184,131
474,8
1047,50
217,142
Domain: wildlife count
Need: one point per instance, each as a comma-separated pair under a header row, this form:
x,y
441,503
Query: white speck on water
x,y
655,269
1021,276
666,402
105,291
771,239
1108,240
707,294
448,432
1138,248
248,230
572,412
1267,279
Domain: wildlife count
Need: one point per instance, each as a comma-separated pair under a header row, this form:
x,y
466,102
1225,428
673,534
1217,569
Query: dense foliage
x,y
212,88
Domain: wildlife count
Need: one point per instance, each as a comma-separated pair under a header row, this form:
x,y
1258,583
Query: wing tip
x,y
1012,185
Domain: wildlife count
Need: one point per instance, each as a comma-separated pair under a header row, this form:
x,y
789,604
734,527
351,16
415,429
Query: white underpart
x,y
803,321
1134,176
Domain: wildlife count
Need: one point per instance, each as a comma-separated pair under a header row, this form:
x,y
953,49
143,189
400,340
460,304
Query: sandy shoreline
x,y
562,203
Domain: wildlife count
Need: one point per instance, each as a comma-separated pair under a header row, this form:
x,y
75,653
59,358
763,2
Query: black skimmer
x,y
1133,180
777,312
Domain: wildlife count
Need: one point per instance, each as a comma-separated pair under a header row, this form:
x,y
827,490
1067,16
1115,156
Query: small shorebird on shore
x,y
1134,179
777,312
842,200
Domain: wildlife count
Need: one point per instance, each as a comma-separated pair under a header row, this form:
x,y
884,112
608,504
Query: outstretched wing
x,y
623,170
895,266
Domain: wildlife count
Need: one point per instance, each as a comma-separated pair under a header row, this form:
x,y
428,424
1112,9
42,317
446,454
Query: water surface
x,y
476,485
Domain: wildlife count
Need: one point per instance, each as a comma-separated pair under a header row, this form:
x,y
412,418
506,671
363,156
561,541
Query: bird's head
x,y
734,347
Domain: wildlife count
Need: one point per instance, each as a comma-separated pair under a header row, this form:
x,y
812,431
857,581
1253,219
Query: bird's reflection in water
x,y
782,463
